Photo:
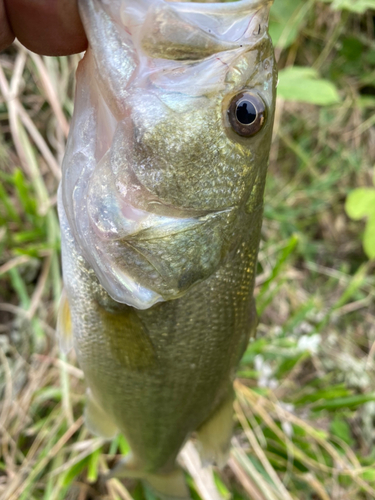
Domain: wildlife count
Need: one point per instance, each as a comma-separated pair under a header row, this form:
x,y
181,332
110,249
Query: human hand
x,y
48,27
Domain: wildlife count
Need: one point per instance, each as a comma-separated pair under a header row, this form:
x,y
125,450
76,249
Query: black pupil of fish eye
x,y
246,113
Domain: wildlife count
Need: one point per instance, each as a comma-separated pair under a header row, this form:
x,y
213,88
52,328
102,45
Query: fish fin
x,y
125,328
97,420
64,324
167,486
171,486
214,435
128,467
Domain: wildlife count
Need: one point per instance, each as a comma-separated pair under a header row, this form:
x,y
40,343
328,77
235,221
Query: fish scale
x,y
161,208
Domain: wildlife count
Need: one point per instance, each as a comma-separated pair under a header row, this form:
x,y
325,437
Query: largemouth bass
x,y
161,207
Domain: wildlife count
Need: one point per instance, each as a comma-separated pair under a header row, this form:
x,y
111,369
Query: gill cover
x,y
155,179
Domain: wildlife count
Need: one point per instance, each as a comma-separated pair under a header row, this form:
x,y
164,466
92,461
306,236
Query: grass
x,y
305,390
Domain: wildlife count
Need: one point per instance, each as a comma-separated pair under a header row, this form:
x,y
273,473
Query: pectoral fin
x,y
97,420
182,252
214,436
64,324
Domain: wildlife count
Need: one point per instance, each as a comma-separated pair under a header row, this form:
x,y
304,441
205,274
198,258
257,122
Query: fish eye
x,y
247,114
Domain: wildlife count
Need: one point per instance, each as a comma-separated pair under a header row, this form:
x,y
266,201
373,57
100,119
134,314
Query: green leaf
x,y
26,236
351,402
74,471
365,102
287,17
7,204
352,49
93,467
302,84
223,490
332,392
287,365
359,6
123,445
369,475
20,288
369,237
25,194
360,203
341,429
356,282
286,252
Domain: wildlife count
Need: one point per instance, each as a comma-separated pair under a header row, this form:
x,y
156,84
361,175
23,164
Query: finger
x,y
48,27
6,35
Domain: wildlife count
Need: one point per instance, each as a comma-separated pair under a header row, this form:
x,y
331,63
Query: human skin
x,y
48,27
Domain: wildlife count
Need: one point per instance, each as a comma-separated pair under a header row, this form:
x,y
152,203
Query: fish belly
x,y
160,373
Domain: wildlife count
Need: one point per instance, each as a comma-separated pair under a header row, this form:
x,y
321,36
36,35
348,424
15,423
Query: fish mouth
x,y
196,31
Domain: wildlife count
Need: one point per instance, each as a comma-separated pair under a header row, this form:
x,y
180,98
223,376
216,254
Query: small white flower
x,y
287,429
277,331
309,343
265,373
304,328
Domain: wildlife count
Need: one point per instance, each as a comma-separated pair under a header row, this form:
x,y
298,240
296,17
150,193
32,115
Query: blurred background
x,y
305,408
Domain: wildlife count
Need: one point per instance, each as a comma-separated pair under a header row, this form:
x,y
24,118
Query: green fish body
x,y
161,208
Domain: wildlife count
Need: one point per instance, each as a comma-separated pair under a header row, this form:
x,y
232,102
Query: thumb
x,y
48,27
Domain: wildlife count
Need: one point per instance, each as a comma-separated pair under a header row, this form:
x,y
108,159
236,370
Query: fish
x,y
160,207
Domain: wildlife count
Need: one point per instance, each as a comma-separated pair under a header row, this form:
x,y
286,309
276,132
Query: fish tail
x,y
167,486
